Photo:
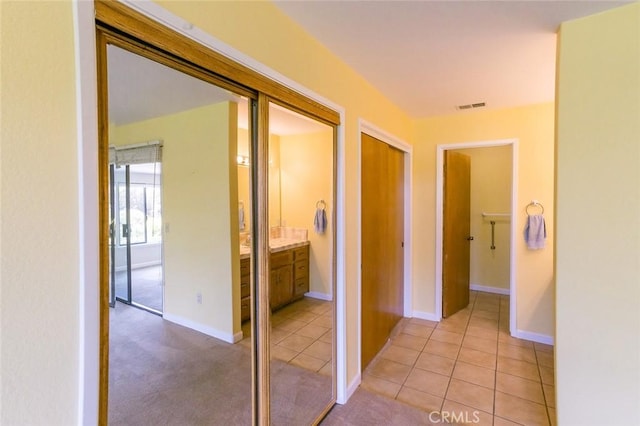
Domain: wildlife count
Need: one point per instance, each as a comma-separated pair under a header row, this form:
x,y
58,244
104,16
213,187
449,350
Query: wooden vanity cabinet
x,y
245,289
288,276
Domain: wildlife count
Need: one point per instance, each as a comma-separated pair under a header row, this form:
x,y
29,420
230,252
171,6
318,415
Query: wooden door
x,y
456,233
382,243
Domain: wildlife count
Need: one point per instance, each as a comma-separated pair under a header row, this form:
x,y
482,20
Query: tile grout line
x,y
544,395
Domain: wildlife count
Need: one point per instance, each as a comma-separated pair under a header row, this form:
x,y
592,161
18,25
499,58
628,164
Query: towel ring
x,y
534,204
321,205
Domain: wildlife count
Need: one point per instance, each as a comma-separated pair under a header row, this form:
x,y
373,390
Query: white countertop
x,y
275,245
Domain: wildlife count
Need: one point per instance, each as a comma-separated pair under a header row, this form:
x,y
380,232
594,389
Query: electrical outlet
x,y
199,298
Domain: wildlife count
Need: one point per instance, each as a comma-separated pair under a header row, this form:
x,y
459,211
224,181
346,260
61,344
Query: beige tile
x,y
320,309
483,333
304,316
424,322
389,370
499,421
479,313
474,374
517,352
426,381
319,350
380,386
323,321
419,399
552,416
520,410
312,331
482,305
522,388
291,325
327,337
453,327
506,338
297,343
448,350
541,347
410,342
518,368
417,330
545,359
477,343
476,357
547,375
399,354
327,369
307,362
447,337
549,395
491,324
282,353
462,414
472,395
435,363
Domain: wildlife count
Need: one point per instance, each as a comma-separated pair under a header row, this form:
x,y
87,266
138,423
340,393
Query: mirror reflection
x,y
301,266
174,249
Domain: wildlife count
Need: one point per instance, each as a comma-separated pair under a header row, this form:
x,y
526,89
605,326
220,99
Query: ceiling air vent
x,y
471,106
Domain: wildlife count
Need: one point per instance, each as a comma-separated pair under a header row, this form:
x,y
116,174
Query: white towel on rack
x,y
320,221
241,216
535,232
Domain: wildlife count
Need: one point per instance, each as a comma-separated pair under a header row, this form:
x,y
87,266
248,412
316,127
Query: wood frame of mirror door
x,y
119,25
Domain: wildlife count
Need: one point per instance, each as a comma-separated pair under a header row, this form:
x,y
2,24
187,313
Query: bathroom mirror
x,y
175,218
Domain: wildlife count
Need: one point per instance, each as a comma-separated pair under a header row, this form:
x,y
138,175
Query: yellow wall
x,y
491,193
598,217
199,180
306,169
254,28
40,225
534,127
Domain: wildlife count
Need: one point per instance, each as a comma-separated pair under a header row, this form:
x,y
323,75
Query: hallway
x,y
468,363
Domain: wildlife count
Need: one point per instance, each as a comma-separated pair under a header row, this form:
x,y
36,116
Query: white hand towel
x,y
535,232
241,217
320,221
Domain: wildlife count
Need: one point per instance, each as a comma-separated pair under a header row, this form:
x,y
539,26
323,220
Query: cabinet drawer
x,y
301,270
245,308
301,287
301,253
245,266
245,288
280,259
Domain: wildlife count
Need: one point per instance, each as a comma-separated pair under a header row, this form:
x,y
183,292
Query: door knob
x,y
470,238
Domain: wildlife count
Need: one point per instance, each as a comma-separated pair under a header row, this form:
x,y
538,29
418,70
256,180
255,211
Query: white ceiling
x,y
140,89
430,56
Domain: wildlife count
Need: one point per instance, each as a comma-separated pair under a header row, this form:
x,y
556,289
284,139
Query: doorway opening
x,y
490,222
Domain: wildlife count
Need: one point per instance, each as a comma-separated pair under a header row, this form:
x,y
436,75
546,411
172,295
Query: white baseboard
x,y
209,331
534,337
426,316
318,295
487,289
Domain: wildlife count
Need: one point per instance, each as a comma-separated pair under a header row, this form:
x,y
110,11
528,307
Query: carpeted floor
x,y
162,373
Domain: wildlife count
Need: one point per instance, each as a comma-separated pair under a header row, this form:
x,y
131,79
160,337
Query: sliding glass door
x,y
136,229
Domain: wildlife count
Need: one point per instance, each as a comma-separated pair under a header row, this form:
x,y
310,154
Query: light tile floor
x,y
301,334
468,364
